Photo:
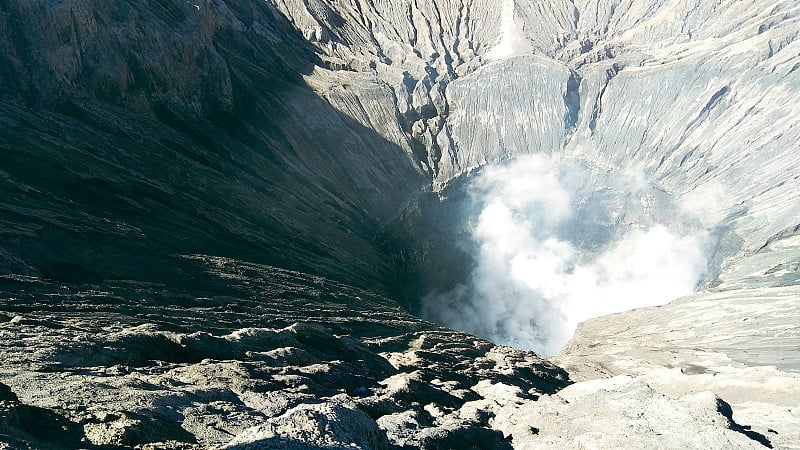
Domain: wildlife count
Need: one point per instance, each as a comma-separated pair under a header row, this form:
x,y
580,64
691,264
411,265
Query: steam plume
x,y
556,244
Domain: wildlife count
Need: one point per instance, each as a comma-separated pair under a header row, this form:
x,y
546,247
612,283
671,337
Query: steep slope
x,y
690,95
189,244
133,133
693,99
215,216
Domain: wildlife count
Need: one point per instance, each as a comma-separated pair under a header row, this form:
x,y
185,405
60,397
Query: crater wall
x,y
215,215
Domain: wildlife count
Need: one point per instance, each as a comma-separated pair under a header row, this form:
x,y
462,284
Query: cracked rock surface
x,y
115,379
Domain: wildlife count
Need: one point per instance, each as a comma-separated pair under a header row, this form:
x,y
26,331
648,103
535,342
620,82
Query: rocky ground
x,y
113,367
740,345
110,366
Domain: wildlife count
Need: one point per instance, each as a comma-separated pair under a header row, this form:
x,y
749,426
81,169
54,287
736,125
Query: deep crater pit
x,y
521,252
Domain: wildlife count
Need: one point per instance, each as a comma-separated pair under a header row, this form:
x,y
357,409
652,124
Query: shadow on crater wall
x,y
133,133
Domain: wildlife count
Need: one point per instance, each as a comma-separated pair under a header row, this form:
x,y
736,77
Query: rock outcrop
x,y
737,344
120,372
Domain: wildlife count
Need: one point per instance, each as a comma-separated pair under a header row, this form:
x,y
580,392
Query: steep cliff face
x,y
665,90
137,132
690,98
668,88
212,211
148,150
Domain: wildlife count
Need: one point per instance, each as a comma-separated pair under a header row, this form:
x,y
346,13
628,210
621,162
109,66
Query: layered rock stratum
x,y
219,219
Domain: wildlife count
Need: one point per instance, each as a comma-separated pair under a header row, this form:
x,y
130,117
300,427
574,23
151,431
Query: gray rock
x,y
621,412
336,426
736,344
210,212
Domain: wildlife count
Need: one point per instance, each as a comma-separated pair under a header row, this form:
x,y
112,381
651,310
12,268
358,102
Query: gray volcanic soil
x,y
216,216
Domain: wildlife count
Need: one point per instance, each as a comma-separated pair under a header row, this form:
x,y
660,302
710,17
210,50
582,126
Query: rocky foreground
x,y
109,367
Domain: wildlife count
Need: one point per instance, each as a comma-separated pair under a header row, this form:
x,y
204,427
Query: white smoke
x,y
558,244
